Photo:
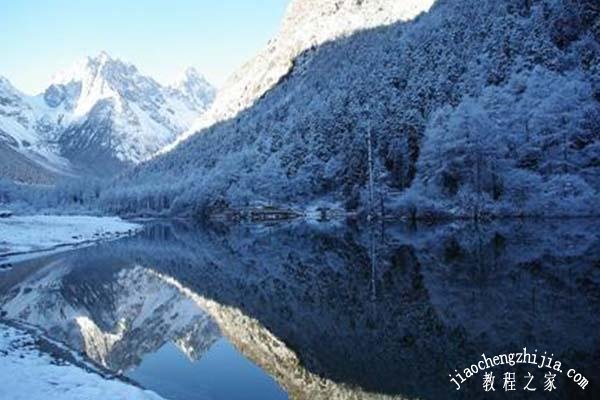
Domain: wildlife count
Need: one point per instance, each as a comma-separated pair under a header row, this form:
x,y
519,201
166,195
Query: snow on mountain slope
x,y
26,144
96,117
306,24
194,89
117,116
16,116
474,107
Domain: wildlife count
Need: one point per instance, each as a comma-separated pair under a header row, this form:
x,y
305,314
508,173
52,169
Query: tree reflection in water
x,y
330,311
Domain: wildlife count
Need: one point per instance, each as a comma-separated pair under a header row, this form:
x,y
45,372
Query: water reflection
x,y
327,312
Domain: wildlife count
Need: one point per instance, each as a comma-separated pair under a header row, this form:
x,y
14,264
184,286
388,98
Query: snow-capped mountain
x,y
473,107
117,116
194,89
98,117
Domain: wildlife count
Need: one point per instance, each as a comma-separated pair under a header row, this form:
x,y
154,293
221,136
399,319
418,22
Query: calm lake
x,y
323,311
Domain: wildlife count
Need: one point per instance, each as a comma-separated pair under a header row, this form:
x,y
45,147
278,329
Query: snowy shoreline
x,y
33,368
24,237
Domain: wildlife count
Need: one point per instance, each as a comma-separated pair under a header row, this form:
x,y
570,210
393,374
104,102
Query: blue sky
x,y
161,37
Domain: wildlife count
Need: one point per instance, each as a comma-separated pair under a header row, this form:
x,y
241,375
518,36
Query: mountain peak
x,y
90,68
103,59
191,72
4,82
194,86
188,76
103,56
7,87
99,110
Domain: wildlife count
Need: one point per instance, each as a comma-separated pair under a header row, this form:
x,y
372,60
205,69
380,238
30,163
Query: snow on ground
x,y
21,235
28,373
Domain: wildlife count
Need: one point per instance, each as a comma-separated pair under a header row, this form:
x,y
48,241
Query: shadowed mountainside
x,y
475,107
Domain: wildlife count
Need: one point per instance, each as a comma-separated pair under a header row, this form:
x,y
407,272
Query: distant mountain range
x,y
95,118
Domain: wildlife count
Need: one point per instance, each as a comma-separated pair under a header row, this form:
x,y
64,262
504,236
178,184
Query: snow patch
x,y
20,235
28,373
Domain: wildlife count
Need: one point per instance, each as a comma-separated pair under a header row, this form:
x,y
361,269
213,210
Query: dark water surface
x,y
324,312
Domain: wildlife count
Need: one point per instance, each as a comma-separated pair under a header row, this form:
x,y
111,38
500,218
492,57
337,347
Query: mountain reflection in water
x,y
326,312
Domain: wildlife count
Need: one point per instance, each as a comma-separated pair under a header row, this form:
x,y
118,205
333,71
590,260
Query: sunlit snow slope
x,y
95,118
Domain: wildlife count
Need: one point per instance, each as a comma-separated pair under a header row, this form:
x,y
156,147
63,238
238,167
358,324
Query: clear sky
x,y
161,37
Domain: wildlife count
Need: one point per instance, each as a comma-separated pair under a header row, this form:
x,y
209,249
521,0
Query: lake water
x,y
324,312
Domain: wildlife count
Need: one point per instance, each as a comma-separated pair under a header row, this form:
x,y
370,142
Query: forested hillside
x,y
476,106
